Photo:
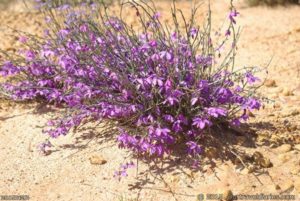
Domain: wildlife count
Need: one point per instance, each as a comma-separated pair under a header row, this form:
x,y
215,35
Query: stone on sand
x,y
97,160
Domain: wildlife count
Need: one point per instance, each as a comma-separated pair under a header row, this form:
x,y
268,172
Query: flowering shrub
x,y
161,87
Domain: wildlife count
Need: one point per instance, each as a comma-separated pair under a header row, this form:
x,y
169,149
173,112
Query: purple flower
x,y
161,135
194,100
157,150
174,36
115,23
162,131
154,80
171,100
123,170
30,55
236,122
168,118
216,112
47,53
43,147
205,61
125,140
168,85
8,69
227,33
193,32
252,104
232,15
84,28
203,86
250,78
157,15
193,148
63,7
63,33
177,93
166,55
224,95
238,89
23,39
155,57
152,43
201,123
182,119
176,127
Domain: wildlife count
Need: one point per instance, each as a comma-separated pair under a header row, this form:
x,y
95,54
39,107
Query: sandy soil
x,y
74,170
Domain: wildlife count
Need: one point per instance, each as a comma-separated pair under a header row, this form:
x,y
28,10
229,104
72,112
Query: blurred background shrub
x,y
57,3
250,2
271,2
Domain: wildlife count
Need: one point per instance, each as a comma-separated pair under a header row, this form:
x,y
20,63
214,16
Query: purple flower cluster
x,y
44,147
167,86
123,170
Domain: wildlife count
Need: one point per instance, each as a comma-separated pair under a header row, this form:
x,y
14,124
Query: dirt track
x,y
67,173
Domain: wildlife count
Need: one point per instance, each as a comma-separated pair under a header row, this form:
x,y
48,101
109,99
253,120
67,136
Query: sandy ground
x,y
68,174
